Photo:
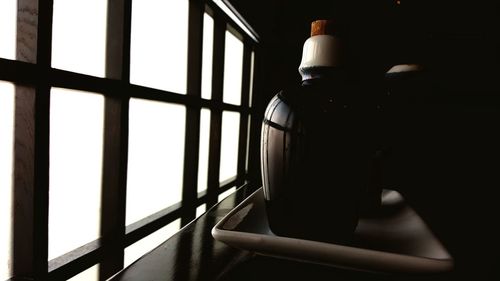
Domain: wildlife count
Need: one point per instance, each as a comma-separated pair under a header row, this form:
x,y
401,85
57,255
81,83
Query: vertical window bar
x,y
31,145
116,115
192,135
216,114
114,184
127,27
28,28
25,163
245,88
42,121
41,192
255,125
42,134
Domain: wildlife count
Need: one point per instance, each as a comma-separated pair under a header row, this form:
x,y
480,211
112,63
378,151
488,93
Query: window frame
x,y
33,76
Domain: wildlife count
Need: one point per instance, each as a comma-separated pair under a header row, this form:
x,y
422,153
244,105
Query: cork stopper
x,y
322,27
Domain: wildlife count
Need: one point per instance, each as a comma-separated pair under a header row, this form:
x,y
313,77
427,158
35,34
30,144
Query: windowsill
x,y
191,253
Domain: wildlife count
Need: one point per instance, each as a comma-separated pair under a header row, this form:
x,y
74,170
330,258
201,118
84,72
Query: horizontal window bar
x,y
144,227
76,261
26,73
18,71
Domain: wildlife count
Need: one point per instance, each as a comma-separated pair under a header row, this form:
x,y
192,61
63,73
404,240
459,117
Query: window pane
x,y
204,146
247,152
252,70
76,140
208,46
79,36
226,193
91,274
201,210
6,158
229,145
148,243
8,13
158,51
155,157
233,66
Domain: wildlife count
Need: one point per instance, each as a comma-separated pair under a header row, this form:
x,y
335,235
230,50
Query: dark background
x,y
453,167
457,39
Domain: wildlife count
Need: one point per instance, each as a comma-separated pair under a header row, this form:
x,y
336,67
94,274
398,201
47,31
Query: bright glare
x,y
8,12
229,145
6,158
91,274
207,55
204,147
75,174
155,157
79,36
233,67
158,51
148,243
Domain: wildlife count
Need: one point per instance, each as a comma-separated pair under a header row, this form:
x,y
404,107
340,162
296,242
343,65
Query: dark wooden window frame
x,y
33,77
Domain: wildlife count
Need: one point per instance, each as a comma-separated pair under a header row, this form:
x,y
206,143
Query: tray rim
x,y
323,253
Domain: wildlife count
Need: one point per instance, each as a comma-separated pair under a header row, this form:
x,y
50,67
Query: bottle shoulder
x,y
281,110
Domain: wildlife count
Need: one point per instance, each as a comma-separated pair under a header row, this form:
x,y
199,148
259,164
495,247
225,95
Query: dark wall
x,y
456,39
452,171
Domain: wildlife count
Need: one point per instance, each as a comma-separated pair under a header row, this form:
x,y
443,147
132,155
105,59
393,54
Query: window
x,y
233,68
204,146
156,154
158,51
8,11
107,132
226,193
76,142
247,144
208,45
252,69
139,248
7,151
79,44
91,274
200,210
229,144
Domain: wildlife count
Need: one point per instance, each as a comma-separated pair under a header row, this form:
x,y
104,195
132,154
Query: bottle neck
x,y
323,76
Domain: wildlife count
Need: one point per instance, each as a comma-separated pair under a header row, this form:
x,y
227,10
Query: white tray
x,y
398,241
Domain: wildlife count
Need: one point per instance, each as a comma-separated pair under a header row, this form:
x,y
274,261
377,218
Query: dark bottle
x,y
410,126
317,147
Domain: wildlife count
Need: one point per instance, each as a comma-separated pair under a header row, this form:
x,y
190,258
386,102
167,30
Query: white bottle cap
x,y
322,49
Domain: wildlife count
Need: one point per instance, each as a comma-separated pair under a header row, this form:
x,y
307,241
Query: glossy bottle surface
x,y
316,152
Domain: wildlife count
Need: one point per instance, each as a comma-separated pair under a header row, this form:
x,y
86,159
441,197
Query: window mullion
x,y
216,114
255,123
243,134
192,135
115,153
31,145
